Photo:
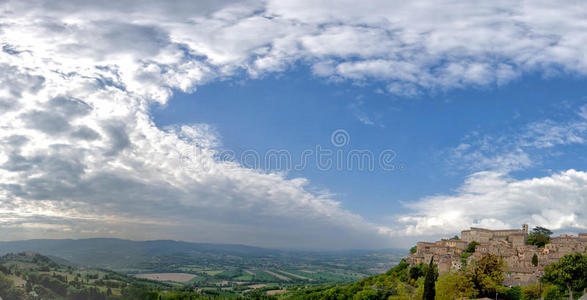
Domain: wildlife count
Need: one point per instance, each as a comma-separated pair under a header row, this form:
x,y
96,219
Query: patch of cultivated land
x,y
277,275
257,286
249,272
177,277
273,292
295,275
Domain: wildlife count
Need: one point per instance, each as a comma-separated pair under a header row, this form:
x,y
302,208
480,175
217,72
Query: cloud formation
x,y
521,149
80,154
494,200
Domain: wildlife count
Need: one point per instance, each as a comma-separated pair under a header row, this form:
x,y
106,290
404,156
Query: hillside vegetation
x,y
29,275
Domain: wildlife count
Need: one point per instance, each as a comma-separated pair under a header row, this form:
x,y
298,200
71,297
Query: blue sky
x,y
296,111
116,119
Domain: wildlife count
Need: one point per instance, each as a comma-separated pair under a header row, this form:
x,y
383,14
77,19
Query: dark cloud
x,y
47,122
58,113
69,107
118,136
85,133
15,141
17,81
6,105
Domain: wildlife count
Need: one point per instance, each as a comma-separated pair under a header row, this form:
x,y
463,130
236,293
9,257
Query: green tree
x,y
471,247
539,236
413,249
531,292
430,281
366,295
513,293
487,275
569,272
417,271
535,259
454,286
8,290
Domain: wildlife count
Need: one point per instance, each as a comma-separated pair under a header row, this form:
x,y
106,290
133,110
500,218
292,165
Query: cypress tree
x,y
535,260
429,282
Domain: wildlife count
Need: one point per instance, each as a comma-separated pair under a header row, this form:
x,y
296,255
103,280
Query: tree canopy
x,y
413,249
454,285
471,247
487,274
539,236
569,272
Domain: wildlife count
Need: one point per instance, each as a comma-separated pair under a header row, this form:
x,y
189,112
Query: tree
x,y
531,291
366,294
471,247
487,274
539,236
417,271
454,286
8,290
535,259
513,293
429,281
542,230
569,272
413,249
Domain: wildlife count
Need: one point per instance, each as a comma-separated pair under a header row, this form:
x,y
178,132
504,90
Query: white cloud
x,y
494,200
79,146
521,149
360,114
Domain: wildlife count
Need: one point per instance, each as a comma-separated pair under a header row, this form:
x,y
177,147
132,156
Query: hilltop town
x,y
509,244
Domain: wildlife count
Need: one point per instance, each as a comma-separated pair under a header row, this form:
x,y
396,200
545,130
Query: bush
x,y
514,293
531,292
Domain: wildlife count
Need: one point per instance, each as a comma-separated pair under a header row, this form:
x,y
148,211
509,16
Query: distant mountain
x,y
119,253
131,257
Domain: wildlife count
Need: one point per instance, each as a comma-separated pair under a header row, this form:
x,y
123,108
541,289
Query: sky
x,y
291,124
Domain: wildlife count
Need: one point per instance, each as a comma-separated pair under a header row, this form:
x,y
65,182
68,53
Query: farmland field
x,y
278,276
176,277
214,270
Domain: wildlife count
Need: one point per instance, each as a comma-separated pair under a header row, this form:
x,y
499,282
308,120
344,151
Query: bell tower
x,y
525,229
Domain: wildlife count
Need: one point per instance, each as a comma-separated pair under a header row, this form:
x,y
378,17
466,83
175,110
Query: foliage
x,y
513,293
413,249
551,292
8,290
471,247
535,260
417,271
394,283
531,292
569,272
429,281
539,236
454,286
487,275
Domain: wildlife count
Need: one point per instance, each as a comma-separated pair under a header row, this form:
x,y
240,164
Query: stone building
x,y
509,245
